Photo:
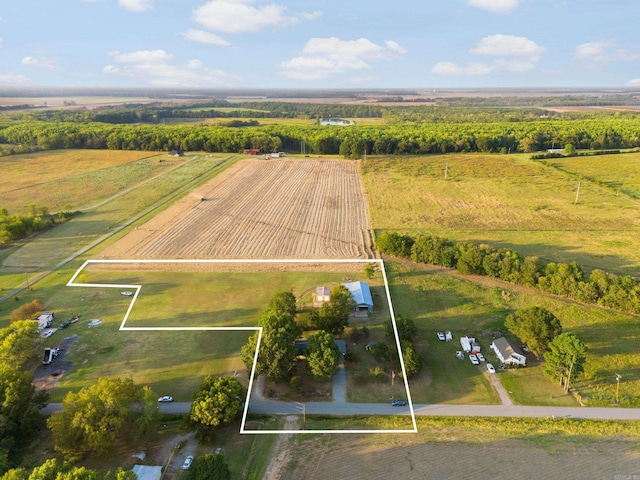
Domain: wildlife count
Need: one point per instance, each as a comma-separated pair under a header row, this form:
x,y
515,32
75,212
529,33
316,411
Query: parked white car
x,y
441,336
480,356
165,399
474,359
187,463
491,368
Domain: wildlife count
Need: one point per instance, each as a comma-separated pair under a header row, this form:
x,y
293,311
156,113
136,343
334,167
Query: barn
x,y
361,295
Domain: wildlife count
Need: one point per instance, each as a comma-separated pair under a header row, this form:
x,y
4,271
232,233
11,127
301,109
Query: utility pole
x,y
618,377
578,191
446,170
365,155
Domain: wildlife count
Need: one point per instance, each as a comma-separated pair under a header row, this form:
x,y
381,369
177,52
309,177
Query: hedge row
x,y
567,280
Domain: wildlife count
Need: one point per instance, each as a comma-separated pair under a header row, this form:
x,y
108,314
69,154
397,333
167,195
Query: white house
x,y
508,352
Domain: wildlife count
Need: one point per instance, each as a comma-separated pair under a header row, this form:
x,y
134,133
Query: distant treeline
x,y
632,99
351,142
441,112
566,280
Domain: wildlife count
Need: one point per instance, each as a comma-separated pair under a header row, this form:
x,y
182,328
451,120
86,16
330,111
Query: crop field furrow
x,y
262,209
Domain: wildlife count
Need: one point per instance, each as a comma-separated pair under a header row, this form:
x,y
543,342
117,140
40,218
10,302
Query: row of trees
x,y
401,138
52,469
541,330
20,404
15,227
567,280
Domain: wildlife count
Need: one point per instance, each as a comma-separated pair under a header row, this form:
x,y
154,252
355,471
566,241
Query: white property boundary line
x,y
137,288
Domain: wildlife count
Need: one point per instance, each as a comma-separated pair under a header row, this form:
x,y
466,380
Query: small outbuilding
x,y
44,320
508,352
322,295
251,151
361,295
176,153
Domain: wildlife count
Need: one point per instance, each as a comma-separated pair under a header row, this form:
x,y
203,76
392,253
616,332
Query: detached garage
x,y
361,295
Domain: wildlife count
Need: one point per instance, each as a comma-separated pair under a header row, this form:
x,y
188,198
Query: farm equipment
x,y
50,355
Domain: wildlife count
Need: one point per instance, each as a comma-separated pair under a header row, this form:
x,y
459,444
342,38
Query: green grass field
x,y
505,201
171,363
616,172
77,178
440,301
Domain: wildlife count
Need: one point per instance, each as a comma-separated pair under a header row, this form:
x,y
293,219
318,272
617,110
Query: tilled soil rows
x,y
261,209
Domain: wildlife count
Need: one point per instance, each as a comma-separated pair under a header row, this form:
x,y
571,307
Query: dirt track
x,y
262,209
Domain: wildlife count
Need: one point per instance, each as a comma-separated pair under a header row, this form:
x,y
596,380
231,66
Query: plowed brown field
x,y
262,209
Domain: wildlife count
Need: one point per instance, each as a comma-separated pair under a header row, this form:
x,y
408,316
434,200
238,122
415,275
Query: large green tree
x,y
565,359
536,327
323,355
93,419
217,402
406,328
283,303
19,342
209,467
277,354
333,316
20,418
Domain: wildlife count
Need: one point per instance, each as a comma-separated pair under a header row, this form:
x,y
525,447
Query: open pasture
x,y
505,201
66,238
616,172
59,178
303,209
439,300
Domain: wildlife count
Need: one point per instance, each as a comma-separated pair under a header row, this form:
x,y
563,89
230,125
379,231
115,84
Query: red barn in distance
x,y
251,151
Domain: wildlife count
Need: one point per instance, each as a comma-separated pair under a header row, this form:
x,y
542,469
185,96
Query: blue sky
x,y
320,44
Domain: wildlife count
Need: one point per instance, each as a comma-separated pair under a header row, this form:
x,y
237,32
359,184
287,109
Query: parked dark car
x,y
398,403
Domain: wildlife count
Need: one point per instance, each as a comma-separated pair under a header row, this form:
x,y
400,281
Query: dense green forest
x,y
410,138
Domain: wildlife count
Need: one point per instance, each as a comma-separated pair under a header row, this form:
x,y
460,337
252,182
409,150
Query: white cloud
x,y
153,67
141,56
507,46
603,51
634,83
238,16
13,79
311,16
38,62
471,69
495,6
323,58
201,36
511,54
136,5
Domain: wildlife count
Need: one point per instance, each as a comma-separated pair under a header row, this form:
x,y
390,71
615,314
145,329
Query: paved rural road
x,y
331,408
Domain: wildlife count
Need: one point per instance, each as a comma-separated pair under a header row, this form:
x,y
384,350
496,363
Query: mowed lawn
x,y
505,201
75,178
440,301
171,362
